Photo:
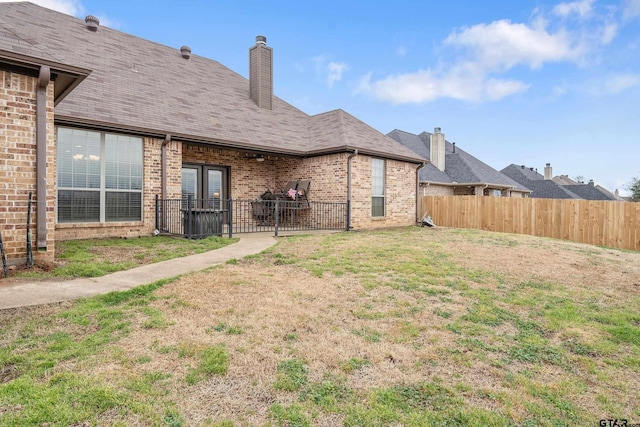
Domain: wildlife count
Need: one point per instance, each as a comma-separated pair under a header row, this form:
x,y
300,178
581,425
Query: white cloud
x,y
609,32
426,86
581,8
70,7
335,71
330,71
476,61
631,9
621,82
503,44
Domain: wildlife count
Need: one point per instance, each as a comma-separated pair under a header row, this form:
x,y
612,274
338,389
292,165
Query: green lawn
x,y
97,257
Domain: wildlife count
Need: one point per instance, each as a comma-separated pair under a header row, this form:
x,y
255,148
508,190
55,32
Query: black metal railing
x,y
195,218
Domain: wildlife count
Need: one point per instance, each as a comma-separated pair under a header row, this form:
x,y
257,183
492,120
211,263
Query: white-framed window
x,y
377,187
99,176
496,193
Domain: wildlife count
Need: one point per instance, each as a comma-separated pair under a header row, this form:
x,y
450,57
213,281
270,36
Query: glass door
x,y
206,184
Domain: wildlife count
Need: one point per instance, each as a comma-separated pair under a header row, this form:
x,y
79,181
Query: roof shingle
x,y
139,85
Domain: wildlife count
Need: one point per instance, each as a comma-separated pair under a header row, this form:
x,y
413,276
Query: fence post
x,y
277,213
157,214
230,217
348,215
29,247
189,216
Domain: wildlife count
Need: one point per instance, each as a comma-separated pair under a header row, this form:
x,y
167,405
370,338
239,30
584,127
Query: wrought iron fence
x,y
196,218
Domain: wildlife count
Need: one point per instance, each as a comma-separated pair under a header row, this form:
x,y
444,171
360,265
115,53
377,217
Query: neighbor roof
x,y
588,192
460,166
137,85
564,180
540,187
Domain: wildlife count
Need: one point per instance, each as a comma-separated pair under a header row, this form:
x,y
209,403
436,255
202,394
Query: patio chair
x,y
263,211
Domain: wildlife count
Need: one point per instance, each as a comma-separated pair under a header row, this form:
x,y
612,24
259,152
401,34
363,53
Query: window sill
x,y
378,218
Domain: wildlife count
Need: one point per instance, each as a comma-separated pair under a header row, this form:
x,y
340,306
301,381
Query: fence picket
x,y
608,223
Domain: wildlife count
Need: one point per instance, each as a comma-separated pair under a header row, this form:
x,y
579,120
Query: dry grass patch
x,y
405,327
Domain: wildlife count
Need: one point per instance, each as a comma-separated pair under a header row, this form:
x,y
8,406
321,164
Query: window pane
x,y
377,187
78,206
377,206
377,177
214,185
78,158
123,206
189,182
123,159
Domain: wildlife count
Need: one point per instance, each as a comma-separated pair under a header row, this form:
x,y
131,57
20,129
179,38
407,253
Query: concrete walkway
x,y
35,293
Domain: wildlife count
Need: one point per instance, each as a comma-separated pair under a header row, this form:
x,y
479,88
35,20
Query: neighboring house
x,y
589,194
453,171
549,187
540,188
98,123
589,191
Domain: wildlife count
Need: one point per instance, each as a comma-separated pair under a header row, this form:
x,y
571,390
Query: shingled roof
x,y
136,85
460,166
588,192
540,187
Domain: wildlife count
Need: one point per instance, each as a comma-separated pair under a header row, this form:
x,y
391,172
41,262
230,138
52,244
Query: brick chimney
x,y
548,172
261,73
591,183
437,155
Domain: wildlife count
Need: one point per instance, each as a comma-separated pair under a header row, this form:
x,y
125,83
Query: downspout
x,y
351,156
423,164
41,157
163,166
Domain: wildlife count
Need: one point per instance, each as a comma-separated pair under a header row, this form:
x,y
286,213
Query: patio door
x,y
207,184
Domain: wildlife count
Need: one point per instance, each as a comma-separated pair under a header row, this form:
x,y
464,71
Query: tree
x,y
634,187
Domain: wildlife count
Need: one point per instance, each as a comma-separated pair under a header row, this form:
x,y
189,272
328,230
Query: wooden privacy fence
x,y
613,224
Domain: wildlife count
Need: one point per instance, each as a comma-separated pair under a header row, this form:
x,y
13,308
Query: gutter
x,y
163,166
41,157
351,156
418,189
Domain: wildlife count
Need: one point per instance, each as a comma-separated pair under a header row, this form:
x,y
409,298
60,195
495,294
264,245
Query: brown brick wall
x,y
435,190
18,165
400,194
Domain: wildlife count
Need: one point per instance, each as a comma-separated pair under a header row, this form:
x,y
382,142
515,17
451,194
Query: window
x,y
99,176
496,193
377,187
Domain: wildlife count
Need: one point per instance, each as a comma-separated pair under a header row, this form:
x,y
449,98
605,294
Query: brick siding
x,y
436,190
18,165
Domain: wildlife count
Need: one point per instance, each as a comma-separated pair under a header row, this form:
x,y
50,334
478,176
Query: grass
x,y
98,257
411,327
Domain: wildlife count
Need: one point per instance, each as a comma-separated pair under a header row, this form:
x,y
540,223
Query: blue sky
x,y
524,82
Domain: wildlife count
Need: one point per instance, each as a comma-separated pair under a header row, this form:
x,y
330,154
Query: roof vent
x,y
436,130
261,40
92,22
185,51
